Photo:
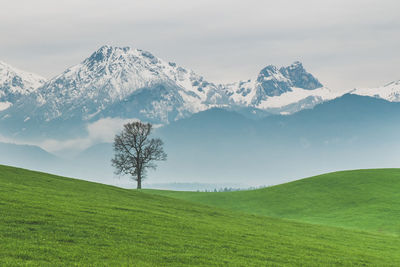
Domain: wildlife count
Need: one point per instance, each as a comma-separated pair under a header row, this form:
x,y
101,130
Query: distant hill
x,y
92,164
27,156
361,199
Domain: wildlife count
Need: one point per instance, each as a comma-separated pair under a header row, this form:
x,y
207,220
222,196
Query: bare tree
x,y
135,151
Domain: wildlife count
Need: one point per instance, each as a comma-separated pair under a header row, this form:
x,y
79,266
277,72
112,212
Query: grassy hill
x,y
51,220
360,199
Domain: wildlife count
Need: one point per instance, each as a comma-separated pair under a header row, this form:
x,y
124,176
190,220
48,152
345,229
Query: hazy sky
x,y
345,43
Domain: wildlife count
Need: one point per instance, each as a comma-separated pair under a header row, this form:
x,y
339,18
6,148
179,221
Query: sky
x,y
345,44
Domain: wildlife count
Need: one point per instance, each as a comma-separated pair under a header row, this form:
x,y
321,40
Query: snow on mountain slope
x,y
389,92
15,83
296,95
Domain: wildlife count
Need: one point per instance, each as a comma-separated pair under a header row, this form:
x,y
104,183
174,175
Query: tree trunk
x,y
139,182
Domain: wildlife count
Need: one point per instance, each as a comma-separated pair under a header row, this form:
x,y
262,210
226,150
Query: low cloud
x,y
101,131
4,139
105,129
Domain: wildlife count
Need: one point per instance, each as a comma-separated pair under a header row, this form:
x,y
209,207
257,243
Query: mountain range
x,y
134,84
282,124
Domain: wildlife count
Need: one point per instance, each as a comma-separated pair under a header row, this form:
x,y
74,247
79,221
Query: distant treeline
x,y
231,189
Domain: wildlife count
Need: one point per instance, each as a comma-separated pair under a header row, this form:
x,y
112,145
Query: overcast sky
x,y
345,43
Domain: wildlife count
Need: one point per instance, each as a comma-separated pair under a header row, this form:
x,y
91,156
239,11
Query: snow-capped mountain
x,y
131,83
111,77
389,92
15,83
285,90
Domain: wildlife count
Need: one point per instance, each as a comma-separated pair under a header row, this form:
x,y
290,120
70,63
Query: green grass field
x,y
360,199
51,220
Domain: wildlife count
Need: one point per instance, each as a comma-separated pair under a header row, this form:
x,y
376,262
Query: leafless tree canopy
x,y
135,151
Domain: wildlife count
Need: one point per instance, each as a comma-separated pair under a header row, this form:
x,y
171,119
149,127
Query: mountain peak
x,y
105,52
14,83
107,48
272,81
389,92
101,53
296,65
299,77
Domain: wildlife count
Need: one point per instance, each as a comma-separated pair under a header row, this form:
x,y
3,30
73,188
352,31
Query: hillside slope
x,y
360,199
51,220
